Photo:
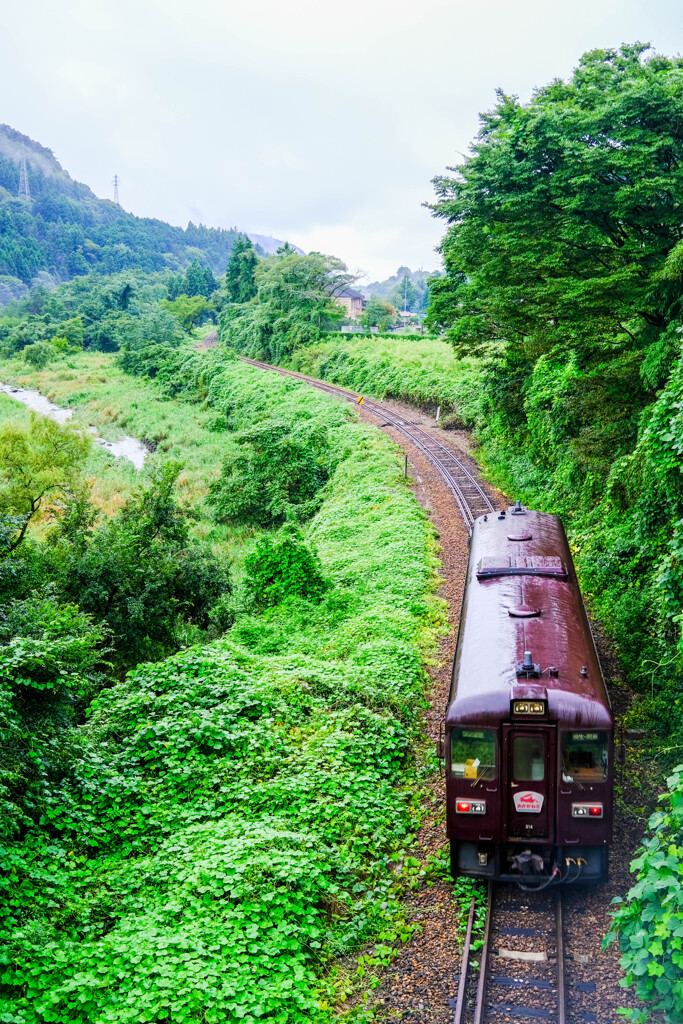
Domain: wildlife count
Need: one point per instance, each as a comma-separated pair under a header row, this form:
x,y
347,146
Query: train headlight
x,y
470,807
587,811
528,707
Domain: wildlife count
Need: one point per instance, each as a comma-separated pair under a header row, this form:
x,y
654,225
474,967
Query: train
x,y
529,732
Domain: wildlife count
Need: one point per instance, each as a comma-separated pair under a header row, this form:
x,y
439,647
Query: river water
x,y
125,448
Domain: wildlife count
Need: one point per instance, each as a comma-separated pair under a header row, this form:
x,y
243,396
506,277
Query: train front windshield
x,y
584,756
473,754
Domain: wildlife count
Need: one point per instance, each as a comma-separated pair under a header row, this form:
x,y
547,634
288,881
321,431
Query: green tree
x,y
189,310
240,283
562,219
142,575
378,313
305,286
405,295
295,302
39,354
39,462
72,330
195,280
276,470
210,283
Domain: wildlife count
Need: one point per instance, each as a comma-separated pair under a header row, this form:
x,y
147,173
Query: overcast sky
x,y
319,123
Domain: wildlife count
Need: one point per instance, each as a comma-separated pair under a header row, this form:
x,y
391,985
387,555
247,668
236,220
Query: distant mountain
x,y
64,229
406,286
270,245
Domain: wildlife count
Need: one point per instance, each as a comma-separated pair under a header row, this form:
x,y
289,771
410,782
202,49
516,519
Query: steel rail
x,y
561,985
439,455
464,967
484,959
479,1013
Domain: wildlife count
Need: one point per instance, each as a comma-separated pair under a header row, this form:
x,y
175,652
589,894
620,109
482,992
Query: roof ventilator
x,y
523,611
528,668
518,510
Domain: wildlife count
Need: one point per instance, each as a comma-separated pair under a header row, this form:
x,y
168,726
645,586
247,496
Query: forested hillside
x,y
64,230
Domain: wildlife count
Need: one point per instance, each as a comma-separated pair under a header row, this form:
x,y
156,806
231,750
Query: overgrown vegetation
x,y
227,821
563,272
294,304
649,925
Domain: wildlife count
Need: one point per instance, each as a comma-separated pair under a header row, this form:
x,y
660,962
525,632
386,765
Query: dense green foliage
x,y
378,313
563,270
140,573
240,275
38,463
228,821
90,312
276,473
281,568
649,925
565,223
64,230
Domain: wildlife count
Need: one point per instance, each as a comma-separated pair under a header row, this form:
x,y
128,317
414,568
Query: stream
x,y
126,448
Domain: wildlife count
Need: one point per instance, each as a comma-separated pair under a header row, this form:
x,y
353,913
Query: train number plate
x,y
528,802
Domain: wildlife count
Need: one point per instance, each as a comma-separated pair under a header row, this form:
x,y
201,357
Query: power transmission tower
x,y
116,190
24,190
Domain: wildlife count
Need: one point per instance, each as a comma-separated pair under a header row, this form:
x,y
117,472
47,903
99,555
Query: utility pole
x,y
24,190
116,190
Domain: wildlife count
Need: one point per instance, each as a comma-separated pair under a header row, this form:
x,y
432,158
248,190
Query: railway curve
x,y
581,985
470,497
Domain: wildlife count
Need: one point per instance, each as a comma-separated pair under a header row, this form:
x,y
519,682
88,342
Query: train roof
x,y
522,595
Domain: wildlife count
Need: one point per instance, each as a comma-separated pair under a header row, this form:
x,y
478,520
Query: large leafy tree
x,y
304,285
39,462
295,301
141,574
562,219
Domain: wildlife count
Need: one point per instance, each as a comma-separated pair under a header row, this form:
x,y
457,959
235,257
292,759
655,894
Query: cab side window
x,y
584,756
473,754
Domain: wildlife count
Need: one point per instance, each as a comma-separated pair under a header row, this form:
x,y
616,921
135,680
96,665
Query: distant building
x,y
353,301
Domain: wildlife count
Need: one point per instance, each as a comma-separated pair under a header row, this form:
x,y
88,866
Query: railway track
x,y
522,974
524,964
470,497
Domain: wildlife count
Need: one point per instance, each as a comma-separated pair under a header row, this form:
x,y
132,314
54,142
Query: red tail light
x,y
587,811
470,807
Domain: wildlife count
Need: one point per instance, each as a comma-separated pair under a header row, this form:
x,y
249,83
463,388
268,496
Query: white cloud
x,y
319,123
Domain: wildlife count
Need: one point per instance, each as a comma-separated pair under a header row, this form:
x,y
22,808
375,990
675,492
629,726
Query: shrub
x,y
277,470
283,567
39,354
649,923
140,573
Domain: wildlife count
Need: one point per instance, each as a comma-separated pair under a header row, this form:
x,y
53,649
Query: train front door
x,y
529,759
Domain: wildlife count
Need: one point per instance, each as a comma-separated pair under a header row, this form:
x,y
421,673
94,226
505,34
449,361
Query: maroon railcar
x,y
529,729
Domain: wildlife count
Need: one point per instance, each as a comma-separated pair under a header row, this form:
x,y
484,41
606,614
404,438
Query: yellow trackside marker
x,y
359,400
